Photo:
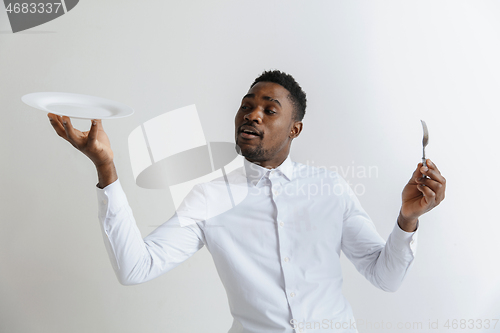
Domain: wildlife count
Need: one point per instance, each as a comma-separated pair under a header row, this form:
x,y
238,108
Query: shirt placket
x,y
287,262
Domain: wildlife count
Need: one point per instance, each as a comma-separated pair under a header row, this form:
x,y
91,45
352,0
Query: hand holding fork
x,y
424,191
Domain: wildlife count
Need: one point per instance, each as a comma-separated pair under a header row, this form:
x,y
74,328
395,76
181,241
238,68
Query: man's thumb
x,y
94,129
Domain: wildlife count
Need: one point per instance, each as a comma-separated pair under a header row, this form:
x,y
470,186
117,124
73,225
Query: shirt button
x,y
282,224
104,201
286,259
292,294
412,241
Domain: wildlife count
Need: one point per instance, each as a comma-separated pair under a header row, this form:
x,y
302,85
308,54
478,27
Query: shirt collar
x,y
255,172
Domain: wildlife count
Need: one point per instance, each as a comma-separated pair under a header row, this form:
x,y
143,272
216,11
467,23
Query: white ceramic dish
x,y
77,105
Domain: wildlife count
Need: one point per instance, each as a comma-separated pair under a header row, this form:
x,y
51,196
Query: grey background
x,y
371,70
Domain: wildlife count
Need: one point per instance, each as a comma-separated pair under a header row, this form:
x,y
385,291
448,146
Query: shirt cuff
x,y
402,240
111,199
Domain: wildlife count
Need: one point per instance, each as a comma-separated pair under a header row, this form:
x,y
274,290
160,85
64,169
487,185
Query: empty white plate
x,y
77,105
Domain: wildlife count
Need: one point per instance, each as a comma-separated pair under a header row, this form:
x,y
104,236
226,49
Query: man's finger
x,y
432,165
435,186
434,174
429,194
58,127
416,174
71,132
93,131
438,188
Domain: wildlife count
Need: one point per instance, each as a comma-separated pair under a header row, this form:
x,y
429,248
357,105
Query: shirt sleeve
x,y
384,264
134,259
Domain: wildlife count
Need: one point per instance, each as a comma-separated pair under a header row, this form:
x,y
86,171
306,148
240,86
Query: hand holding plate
x,y
93,143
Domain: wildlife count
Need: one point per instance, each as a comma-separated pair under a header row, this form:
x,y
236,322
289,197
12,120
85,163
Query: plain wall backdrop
x,y
371,71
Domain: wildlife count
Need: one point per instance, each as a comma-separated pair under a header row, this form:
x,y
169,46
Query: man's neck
x,y
268,164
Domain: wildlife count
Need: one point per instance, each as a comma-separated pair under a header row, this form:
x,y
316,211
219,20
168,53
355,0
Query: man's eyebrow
x,y
267,98
271,99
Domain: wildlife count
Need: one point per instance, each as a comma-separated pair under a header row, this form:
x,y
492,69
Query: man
x,y
277,250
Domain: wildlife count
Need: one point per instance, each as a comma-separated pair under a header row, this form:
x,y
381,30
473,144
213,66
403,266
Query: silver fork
x,y
425,141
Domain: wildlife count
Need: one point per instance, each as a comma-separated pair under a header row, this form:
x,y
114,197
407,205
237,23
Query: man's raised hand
x,y
421,194
93,143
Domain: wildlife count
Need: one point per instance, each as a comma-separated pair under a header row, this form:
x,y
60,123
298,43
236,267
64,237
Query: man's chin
x,y
243,152
252,154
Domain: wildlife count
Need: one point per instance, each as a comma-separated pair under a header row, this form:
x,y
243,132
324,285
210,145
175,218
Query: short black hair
x,y
297,96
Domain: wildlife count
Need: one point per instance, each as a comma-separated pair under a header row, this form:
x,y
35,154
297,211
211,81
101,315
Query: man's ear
x,y
296,129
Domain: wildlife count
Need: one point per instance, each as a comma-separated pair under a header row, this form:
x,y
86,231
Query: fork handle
x,y
424,163
424,160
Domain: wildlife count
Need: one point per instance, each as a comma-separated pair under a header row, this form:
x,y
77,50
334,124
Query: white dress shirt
x,y
276,245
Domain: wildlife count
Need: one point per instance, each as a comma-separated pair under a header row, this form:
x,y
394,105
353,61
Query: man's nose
x,y
254,115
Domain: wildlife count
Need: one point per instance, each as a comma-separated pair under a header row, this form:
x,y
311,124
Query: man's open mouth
x,y
248,132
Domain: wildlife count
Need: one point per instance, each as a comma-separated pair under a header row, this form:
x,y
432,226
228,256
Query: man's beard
x,y
254,153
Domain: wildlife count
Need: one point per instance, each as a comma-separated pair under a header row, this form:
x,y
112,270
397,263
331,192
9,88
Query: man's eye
x,y
244,107
270,111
